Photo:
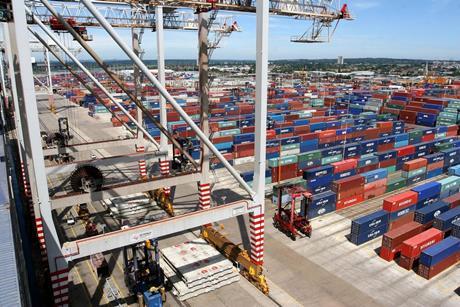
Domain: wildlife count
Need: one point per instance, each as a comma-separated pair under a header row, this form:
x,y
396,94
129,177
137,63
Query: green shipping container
x,y
391,169
440,135
228,132
275,162
331,159
396,184
415,134
414,173
309,156
290,147
226,124
395,106
440,147
449,183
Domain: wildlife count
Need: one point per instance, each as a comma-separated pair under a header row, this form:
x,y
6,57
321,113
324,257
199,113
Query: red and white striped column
x,y
164,171
142,164
60,287
256,225
41,239
204,194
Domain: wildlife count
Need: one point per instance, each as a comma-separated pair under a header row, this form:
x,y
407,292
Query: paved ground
x,y
326,270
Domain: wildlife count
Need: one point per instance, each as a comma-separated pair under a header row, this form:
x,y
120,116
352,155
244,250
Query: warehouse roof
x,y
10,294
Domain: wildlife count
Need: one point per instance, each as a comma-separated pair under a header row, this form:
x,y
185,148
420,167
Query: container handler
x,y
286,219
143,275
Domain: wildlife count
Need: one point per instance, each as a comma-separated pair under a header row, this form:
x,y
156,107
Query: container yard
x,y
217,183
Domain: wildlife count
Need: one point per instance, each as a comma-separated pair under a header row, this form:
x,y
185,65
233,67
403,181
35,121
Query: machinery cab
x,y
288,219
57,26
143,273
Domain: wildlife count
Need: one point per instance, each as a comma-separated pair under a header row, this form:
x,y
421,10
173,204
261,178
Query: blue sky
x,y
418,29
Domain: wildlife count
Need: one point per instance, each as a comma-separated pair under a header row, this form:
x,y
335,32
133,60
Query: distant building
x,y
340,60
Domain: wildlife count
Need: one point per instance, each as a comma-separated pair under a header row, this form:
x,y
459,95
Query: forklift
x,y
286,219
143,275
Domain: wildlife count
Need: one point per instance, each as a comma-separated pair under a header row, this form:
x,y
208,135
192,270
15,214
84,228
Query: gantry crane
x,y
60,253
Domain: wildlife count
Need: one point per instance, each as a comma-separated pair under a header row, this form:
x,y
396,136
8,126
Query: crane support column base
x,y
204,194
60,286
256,225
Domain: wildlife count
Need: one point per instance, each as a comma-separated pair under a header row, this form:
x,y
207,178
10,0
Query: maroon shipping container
x,y
408,116
403,220
347,183
367,168
301,129
430,272
284,172
248,129
394,238
453,200
390,110
372,133
387,163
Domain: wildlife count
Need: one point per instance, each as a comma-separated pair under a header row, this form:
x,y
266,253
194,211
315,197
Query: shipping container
x,y
400,201
396,237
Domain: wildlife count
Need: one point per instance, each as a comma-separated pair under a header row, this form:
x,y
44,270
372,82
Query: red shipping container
x,y
309,136
374,192
222,139
387,163
344,194
367,168
414,164
301,129
406,150
371,133
349,202
394,238
344,165
376,184
430,272
400,201
390,110
452,128
427,138
385,147
408,116
414,246
436,165
453,200
403,220
248,129
271,134
387,254
284,172
326,134
285,135
326,140
385,125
